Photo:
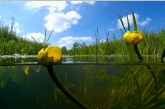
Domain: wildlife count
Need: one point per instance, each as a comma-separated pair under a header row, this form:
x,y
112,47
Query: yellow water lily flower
x,y
133,37
50,54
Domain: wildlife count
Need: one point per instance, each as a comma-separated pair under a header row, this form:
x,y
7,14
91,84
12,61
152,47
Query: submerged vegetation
x,y
98,86
133,88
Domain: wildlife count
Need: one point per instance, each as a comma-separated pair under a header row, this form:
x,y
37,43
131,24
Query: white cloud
x,y
61,21
102,40
119,25
16,28
0,17
56,5
51,9
90,2
144,22
16,24
37,36
69,40
76,2
56,18
80,2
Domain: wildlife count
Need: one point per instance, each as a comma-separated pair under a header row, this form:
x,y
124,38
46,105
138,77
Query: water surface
x,y
104,85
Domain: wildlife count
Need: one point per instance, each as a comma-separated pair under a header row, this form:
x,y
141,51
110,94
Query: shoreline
x,y
18,56
28,56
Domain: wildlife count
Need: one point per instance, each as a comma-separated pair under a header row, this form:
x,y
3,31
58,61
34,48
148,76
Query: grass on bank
x,y
152,45
11,44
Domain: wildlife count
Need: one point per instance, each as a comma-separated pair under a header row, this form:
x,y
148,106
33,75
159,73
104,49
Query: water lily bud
x,y
133,38
50,54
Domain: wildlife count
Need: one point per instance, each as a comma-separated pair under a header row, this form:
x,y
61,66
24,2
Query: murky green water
x,y
99,85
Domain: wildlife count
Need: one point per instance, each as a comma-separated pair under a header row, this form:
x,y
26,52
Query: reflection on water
x,y
82,58
103,86
16,59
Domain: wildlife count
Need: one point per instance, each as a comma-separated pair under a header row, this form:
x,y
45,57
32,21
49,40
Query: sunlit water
x,y
26,84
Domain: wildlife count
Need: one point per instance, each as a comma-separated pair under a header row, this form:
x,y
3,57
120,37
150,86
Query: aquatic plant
x,y
134,38
59,97
53,54
132,89
85,93
17,74
50,54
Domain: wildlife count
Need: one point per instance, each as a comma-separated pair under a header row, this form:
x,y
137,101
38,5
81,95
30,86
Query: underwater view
x,y
98,85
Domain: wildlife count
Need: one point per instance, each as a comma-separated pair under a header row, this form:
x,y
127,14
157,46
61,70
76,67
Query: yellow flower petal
x,y
127,37
127,34
40,54
133,38
50,54
140,35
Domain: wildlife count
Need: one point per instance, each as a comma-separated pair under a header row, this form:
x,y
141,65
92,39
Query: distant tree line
x,y
153,44
103,48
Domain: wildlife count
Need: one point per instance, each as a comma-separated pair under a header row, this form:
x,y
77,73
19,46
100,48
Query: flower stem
x,y
138,54
163,54
63,88
149,68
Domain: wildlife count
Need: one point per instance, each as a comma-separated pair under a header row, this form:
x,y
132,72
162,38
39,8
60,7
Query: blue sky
x,y
76,21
